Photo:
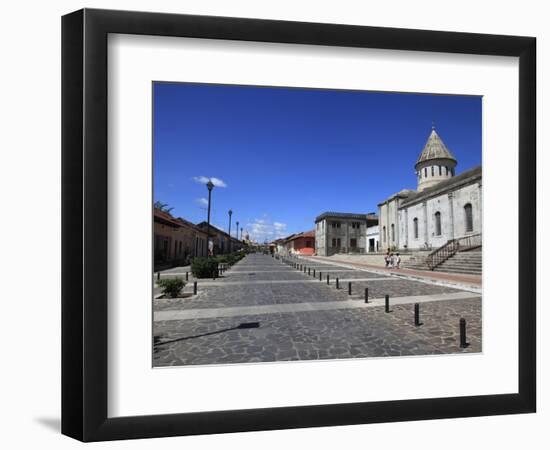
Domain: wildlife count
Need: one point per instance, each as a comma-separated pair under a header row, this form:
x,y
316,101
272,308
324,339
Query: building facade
x,y
445,206
176,241
345,233
299,243
221,242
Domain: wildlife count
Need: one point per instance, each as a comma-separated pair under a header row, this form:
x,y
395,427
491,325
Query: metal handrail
x,y
451,247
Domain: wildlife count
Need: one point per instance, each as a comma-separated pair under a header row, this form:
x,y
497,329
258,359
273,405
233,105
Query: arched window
x,y
415,227
446,171
468,219
438,223
432,171
384,228
425,172
393,232
439,170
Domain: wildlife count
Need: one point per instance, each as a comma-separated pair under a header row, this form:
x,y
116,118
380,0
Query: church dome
x,y
434,149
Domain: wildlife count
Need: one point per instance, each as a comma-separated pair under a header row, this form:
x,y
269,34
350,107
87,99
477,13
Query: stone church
x,y
444,206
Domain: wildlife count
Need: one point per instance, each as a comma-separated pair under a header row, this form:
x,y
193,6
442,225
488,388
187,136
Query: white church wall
x,y
441,205
467,194
415,211
388,216
453,217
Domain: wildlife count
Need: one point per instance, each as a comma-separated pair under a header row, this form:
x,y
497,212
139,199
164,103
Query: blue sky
x,y
282,156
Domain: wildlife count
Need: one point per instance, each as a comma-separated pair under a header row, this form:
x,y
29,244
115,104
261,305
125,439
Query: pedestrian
x,y
387,260
392,260
397,260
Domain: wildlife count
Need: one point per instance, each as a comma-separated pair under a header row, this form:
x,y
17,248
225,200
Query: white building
x,y
443,207
373,238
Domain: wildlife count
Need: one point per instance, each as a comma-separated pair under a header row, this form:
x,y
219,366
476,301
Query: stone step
x,y
460,258
442,267
461,261
464,271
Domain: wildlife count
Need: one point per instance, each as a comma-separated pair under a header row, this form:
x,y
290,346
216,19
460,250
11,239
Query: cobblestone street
x,y
263,309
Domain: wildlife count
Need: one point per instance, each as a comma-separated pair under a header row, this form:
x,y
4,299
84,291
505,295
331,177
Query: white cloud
x,y
262,229
215,181
202,201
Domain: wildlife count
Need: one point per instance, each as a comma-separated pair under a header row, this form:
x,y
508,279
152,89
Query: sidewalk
x,y
451,278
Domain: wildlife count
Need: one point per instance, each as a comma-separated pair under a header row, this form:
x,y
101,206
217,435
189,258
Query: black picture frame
x,y
84,224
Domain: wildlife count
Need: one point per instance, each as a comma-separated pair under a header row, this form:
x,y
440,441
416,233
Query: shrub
x,y
204,267
171,287
230,258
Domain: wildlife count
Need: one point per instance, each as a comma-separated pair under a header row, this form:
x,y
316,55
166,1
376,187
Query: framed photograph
x,y
273,225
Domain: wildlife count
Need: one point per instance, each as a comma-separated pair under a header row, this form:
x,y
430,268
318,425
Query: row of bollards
x,y
417,322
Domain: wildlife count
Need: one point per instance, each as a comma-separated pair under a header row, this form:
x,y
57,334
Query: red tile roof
x,y
305,234
176,222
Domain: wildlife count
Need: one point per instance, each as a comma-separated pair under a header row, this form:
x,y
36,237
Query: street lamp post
x,y
209,186
238,231
241,234
230,214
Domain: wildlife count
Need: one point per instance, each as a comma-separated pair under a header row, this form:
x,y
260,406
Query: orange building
x,y
300,243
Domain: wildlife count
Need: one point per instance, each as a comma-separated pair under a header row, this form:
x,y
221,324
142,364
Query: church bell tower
x,y
436,163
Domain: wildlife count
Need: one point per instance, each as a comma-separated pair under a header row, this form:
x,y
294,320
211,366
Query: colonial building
x,y
221,242
176,240
445,206
299,243
345,233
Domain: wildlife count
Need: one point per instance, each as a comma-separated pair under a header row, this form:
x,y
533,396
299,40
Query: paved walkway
x,y
467,280
265,310
202,313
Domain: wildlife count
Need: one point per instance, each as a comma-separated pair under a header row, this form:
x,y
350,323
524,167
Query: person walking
x,y
397,261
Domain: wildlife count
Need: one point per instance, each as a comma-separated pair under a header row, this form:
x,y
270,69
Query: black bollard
x,y
308,271
387,303
417,315
158,276
320,276
328,278
366,295
349,288
337,283
195,288
304,269
463,343
186,276
313,272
